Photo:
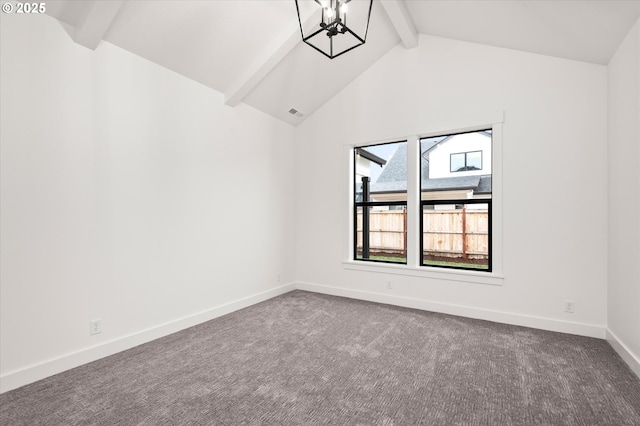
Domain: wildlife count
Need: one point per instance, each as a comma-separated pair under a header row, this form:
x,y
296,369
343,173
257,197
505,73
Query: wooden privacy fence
x,y
461,233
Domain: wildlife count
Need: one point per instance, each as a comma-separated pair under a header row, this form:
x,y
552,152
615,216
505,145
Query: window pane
x,y
456,236
385,166
358,236
386,239
456,166
474,160
457,162
455,187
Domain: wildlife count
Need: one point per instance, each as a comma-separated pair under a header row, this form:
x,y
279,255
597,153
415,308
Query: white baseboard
x,y
632,360
580,329
16,379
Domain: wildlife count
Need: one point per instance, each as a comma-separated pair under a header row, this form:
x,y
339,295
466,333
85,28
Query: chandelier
x,y
328,30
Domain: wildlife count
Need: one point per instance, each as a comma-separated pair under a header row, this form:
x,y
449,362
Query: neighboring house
x,y
364,161
452,167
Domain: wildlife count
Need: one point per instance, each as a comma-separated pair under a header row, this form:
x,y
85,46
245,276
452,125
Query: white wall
x,y
129,194
555,190
624,199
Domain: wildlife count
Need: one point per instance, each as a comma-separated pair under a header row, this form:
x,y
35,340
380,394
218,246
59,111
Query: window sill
x,y
487,278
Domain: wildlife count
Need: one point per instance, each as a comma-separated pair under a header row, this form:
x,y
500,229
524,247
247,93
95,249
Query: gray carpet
x,y
307,359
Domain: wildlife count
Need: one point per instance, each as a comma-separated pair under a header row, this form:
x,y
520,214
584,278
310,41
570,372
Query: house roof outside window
x,y
393,178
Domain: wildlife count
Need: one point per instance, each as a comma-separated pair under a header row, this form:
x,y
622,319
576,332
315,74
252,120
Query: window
x,y
466,161
380,199
451,226
455,219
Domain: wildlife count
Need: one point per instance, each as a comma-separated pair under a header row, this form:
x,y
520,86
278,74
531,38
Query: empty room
x,y
301,212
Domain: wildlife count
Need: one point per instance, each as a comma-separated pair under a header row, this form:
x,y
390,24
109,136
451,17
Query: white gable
x,y
440,156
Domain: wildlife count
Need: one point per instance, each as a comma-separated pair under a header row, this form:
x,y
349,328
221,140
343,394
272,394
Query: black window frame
x,y
485,198
454,201
465,161
365,208
487,201
366,204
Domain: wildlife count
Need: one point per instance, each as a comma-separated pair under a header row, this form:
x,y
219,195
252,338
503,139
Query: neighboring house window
x,y
466,161
380,200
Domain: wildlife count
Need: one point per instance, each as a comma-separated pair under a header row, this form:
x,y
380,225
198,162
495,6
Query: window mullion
x,y
413,201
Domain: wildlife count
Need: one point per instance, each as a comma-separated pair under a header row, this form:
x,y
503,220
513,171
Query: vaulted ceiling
x,y
251,50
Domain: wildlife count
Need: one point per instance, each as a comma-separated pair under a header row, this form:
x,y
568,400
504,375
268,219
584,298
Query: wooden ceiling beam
x,y
97,23
399,16
264,64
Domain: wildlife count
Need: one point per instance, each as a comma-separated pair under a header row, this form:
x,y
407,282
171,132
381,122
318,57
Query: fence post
x,y
404,239
464,232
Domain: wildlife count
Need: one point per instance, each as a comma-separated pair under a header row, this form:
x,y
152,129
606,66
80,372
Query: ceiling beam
x,y
264,64
399,16
97,23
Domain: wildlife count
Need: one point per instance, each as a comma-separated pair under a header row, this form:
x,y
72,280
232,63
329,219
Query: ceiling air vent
x,y
295,112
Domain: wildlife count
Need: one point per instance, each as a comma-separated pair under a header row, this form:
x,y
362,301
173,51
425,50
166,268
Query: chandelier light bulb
x,y
329,12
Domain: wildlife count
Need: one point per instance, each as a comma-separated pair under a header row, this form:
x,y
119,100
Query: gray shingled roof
x,y
451,183
394,176
396,168
485,185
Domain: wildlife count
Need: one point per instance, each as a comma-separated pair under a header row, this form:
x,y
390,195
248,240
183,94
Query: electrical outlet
x,y
278,277
389,285
95,326
569,306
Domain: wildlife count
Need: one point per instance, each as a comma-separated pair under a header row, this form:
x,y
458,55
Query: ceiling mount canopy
x,y
334,26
